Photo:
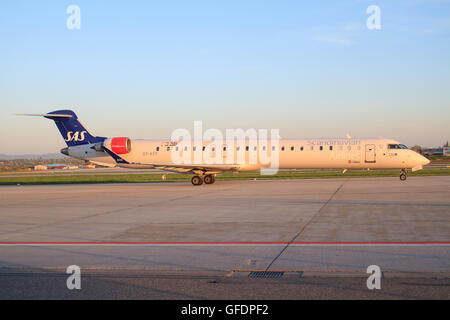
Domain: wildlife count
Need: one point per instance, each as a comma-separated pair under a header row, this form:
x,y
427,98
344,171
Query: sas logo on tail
x,y
77,136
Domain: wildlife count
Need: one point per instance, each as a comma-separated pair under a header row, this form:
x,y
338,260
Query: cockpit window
x,y
397,146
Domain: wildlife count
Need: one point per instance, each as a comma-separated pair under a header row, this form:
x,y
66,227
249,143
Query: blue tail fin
x,y
73,132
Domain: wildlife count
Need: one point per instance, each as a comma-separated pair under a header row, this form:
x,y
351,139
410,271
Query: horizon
x,y
143,69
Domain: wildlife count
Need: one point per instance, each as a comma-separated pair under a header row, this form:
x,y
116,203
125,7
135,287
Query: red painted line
x,y
223,242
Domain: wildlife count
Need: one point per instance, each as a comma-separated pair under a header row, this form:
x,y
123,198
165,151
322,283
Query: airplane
x,y
321,153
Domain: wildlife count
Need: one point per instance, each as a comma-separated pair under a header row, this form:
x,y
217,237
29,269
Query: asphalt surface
x,y
174,240
107,284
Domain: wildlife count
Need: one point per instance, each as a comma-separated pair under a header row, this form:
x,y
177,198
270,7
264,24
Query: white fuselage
x,y
292,154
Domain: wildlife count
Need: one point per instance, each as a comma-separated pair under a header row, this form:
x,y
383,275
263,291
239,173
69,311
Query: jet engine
x,y
120,145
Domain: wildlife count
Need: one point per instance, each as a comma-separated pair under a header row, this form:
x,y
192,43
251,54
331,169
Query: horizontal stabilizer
x,y
47,115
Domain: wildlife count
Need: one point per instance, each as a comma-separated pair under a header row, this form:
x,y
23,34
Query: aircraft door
x,y
370,153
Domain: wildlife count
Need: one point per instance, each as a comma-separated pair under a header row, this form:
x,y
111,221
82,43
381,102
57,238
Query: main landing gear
x,y
197,180
403,175
208,179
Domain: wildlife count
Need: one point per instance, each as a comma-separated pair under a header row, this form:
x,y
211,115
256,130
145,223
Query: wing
x,y
182,168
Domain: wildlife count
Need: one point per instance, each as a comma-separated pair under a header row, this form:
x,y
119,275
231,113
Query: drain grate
x,y
266,274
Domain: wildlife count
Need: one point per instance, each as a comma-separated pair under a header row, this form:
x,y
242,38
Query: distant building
x,y
40,167
69,167
435,151
54,167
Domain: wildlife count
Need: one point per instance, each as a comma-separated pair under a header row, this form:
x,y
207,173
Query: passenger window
x,y
273,148
331,148
264,148
157,148
246,148
254,148
195,148
176,149
312,148
292,148
224,148
185,148
213,149
301,148
321,148
204,148
282,148
238,148
168,148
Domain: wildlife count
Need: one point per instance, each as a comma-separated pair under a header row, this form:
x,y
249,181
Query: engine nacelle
x,y
119,145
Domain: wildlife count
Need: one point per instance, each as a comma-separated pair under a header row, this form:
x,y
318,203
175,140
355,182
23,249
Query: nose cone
x,y
424,161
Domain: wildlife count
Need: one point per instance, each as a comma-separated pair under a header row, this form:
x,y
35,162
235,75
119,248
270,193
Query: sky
x,y
142,69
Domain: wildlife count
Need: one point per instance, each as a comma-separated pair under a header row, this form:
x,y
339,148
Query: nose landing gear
x,y
403,175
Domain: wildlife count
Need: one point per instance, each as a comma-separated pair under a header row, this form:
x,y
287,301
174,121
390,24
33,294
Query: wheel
x,y
209,179
403,177
197,180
